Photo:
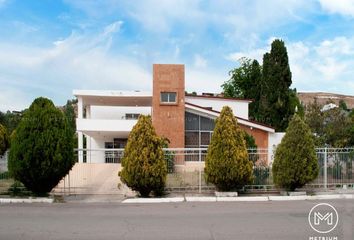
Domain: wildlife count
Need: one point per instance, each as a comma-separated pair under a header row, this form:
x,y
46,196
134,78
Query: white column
x,y
88,138
80,137
80,108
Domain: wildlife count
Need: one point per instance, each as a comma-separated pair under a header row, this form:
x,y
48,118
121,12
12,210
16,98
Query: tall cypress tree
x,y
144,168
227,164
41,152
276,107
295,162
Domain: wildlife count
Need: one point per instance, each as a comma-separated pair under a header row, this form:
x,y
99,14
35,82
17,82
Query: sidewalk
x,y
238,199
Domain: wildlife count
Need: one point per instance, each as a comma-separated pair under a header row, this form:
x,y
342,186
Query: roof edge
x,y
239,118
221,98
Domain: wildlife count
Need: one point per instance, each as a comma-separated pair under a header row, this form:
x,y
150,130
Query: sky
x,y
50,47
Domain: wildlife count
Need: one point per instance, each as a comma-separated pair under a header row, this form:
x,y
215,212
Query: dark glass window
x,y
191,121
192,139
207,124
168,97
198,130
132,116
205,138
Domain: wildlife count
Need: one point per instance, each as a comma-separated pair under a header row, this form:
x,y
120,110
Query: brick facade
x,y
168,118
260,136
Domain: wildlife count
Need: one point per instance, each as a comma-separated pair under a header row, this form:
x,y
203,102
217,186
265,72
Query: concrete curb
x,y
201,199
153,200
242,199
239,199
26,200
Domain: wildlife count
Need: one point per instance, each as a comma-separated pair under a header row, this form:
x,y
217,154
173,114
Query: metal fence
x,y
186,167
99,170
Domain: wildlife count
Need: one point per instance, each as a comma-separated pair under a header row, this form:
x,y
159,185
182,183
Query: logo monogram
x,y
319,217
323,218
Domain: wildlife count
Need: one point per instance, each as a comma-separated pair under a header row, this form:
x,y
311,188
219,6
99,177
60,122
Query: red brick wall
x,y
168,119
260,136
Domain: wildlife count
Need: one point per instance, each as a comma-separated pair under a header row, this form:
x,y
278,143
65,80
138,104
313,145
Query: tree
x,y
41,152
69,113
144,168
337,127
343,105
333,127
277,102
4,140
10,120
245,82
314,118
295,162
250,141
227,165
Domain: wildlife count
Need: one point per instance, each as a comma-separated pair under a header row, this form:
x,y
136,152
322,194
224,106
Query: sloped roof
x,y
242,121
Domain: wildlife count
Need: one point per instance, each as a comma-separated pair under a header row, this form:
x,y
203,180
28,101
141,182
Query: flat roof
x,y
112,93
220,98
114,98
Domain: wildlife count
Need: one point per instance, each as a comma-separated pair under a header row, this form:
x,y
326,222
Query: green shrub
x,y
4,140
41,152
295,162
169,156
144,167
227,165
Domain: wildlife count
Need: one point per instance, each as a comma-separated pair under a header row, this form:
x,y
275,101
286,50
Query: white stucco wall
x,y
92,155
117,113
239,108
273,140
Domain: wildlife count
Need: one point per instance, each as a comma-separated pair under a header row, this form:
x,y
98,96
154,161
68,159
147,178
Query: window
x,y
133,116
168,97
198,130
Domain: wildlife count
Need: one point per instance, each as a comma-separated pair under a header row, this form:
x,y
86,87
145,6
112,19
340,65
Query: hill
x,y
324,98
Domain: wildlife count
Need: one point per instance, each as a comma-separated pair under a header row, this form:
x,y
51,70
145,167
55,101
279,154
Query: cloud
x,y
343,7
208,80
13,99
78,61
243,21
199,61
325,66
252,54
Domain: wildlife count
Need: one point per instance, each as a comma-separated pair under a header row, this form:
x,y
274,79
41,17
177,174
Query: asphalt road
x,y
247,220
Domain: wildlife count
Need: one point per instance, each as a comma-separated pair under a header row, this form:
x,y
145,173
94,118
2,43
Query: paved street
x,y
242,220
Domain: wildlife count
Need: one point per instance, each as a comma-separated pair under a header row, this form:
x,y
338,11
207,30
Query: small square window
x,y
168,97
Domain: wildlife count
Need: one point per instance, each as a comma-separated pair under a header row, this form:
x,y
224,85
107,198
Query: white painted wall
x,y
97,156
239,108
273,141
102,125
112,112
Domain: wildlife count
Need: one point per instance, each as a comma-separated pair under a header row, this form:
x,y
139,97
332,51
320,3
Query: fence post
x,y
325,169
200,170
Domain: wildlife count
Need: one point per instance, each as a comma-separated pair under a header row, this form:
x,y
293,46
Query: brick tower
x,y
168,102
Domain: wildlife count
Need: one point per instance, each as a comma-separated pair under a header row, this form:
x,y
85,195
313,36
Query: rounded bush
x,y
227,165
4,140
295,162
41,152
144,167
